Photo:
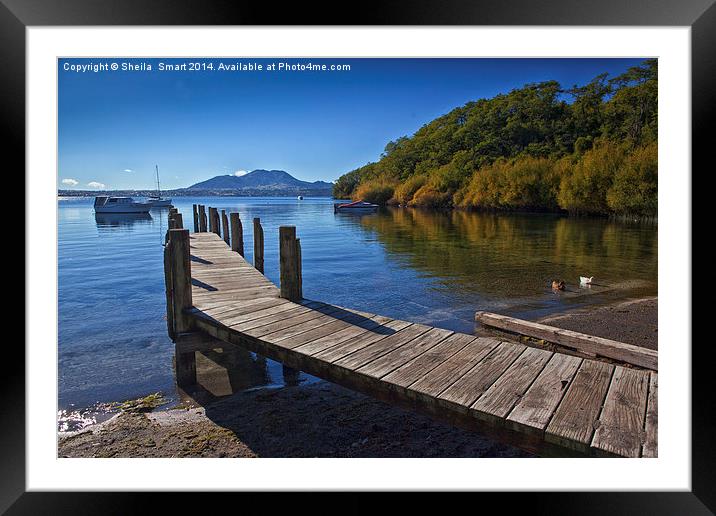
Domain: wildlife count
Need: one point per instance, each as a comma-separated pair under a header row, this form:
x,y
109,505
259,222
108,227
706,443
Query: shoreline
x,y
314,420
632,321
321,419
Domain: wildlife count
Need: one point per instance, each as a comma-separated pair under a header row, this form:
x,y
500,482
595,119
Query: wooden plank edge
x,y
613,349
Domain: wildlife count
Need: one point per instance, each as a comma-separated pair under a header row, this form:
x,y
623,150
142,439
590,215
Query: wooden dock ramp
x,y
548,403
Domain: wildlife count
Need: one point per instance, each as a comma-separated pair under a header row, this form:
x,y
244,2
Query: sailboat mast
x,y
159,191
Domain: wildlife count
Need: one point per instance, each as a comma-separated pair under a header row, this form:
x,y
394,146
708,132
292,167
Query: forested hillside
x,y
588,149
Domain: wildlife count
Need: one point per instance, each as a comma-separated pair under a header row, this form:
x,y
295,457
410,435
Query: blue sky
x,y
114,126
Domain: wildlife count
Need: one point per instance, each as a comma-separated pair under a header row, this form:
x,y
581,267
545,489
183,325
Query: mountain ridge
x,y
260,179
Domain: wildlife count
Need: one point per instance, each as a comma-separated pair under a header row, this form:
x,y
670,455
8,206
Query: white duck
x,y
583,280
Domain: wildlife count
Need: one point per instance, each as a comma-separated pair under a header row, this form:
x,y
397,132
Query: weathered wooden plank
x,y
651,424
587,343
343,320
333,347
507,390
299,327
228,279
621,423
244,293
477,380
226,282
223,285
247,293
576,416
234,270
203,297
381,347
224,312
213,298
440,378
391,361
231,304
421,365
536,407
294,324
245,326
243,315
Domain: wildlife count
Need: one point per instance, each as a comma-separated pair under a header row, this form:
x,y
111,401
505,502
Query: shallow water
x,y
433,268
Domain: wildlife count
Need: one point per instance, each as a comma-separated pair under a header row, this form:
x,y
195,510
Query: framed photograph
x,y
420,252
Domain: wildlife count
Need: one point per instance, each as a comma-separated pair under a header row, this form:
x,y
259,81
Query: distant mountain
x,y
259,183
269,181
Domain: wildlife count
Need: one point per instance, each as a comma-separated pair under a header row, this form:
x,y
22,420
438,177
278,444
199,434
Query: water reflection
x,y
518,255
226,371
121,219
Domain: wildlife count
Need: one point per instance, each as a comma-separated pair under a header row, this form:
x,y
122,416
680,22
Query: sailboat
x,y
157,201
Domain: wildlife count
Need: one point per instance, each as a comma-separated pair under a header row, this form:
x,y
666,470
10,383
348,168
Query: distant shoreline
x,y
194,193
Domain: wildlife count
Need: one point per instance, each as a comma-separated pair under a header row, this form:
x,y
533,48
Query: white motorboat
x,y
355,207
108,204
157,200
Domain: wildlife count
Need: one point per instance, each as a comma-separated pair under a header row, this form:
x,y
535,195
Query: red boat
x,y
355,207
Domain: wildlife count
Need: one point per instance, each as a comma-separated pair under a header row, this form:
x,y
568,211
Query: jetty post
x,y
176,222
177,263
214,221
225,226
212,227
237,233
290,263
217,221
202,218
258,245
195,212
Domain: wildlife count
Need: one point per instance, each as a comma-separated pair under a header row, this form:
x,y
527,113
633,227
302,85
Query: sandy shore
x,y
634,321
316,420
322,419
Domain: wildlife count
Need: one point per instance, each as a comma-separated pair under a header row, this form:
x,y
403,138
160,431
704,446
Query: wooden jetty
x,y
549,403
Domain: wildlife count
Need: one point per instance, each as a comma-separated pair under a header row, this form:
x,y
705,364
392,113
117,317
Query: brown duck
x,y
558,284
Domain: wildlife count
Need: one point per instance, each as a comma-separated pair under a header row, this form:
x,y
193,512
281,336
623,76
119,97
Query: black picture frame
x,y
700,15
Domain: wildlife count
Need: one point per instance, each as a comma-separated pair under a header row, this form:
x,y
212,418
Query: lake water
x,y
433,268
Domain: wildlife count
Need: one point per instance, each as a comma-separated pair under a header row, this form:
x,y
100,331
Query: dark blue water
x,y
420,266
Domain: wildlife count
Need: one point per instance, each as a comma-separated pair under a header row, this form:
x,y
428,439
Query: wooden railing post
x,y
217,221
225,226
168,282
195,212
290,263
185,367
202,218
180,270
237,233
258,245
214,221
178,221
212,229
